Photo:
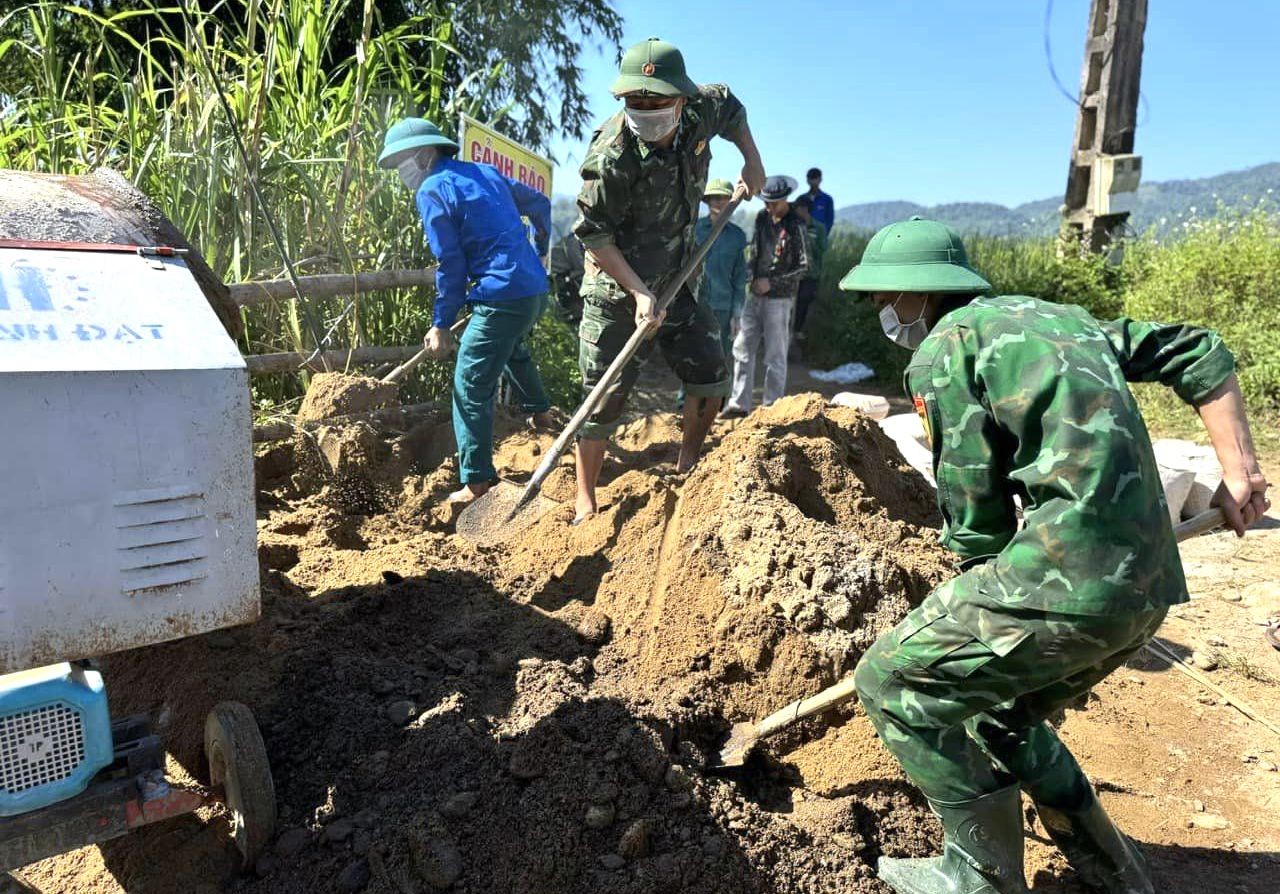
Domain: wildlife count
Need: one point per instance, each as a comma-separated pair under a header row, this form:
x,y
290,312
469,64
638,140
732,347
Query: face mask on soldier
x,y
908,335
652,125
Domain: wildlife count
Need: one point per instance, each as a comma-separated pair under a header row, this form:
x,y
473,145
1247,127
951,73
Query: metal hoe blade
x,y
742,738
499,514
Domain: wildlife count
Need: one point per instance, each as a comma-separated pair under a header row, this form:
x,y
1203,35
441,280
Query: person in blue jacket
x,y
472,217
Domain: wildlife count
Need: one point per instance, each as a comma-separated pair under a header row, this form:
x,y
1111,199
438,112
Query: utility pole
x,y
1106,122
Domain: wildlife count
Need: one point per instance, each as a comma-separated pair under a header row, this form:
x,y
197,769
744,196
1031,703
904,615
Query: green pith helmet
x,y
718,187
653,66
411,133
916,255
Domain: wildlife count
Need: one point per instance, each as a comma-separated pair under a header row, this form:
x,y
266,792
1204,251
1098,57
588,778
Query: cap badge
x,y
647,69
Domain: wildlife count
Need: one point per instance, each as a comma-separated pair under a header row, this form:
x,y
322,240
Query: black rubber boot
x,y
981,851
1102,855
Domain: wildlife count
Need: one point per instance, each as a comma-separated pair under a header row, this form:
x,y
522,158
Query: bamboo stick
x,y
329,285
1160,650
290,361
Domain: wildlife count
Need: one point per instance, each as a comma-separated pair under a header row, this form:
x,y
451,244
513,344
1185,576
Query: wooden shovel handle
x,y
1200,524
412,363
807,707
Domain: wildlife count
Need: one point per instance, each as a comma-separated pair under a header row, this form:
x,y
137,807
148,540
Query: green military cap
x,y
719,187
653,66
411,133
916,255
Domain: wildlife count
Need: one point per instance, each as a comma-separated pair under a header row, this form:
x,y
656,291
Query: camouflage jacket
x,y
780,253
1027,398
645,200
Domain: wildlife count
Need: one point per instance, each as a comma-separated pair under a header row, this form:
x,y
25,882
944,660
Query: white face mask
x,y
414,169
908,335
653,124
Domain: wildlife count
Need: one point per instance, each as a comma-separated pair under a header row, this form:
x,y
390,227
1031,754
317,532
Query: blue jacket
x,y
723,286
824,209
472,217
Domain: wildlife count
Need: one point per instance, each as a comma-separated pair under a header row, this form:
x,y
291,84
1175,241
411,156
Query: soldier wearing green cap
x,y
722,288
1024,398
643,177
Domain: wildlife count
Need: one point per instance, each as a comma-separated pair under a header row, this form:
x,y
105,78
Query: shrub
x,y
1224,273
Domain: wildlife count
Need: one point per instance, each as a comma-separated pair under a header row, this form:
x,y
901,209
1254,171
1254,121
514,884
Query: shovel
x,y
413,362
744,736
505,509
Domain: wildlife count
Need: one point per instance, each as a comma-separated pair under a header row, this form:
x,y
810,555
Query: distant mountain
x,y
1156,204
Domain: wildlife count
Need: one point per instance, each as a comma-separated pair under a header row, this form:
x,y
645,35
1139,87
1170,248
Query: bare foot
x,y
583,509
469,492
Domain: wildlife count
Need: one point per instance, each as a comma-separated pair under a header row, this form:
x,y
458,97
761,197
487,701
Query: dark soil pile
x,y
537,716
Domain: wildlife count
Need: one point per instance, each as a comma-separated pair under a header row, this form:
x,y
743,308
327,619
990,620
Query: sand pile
x,y
537,716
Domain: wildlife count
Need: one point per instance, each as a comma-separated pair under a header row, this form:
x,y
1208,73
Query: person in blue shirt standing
x,y
722,287
471,214
822,207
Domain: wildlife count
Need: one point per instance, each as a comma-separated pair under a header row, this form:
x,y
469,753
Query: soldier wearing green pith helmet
x,y
1024,398
642,179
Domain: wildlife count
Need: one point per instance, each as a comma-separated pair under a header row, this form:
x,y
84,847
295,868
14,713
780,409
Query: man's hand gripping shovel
x,y
507,508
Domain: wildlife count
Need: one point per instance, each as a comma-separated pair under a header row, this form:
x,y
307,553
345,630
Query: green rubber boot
x,y
981,851
1101,854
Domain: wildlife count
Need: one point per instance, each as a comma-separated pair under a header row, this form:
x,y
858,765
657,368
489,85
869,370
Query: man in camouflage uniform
x,y
1021,397
642,179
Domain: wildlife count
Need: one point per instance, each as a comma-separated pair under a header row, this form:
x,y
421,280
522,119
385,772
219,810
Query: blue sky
x,y
951,100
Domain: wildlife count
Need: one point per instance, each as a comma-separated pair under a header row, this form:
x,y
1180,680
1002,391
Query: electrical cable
x,y
1053,72
198,38
1048,56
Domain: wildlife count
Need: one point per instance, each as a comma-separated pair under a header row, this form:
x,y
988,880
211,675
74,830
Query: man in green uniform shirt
x,y
1020,397
642,179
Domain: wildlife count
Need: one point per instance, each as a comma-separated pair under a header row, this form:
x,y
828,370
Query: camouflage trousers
x,y
965,720
689,340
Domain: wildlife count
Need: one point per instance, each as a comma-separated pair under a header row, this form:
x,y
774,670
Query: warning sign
x,y
482,144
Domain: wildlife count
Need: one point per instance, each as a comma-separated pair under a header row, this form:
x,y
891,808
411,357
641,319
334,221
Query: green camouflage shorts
x,y
689,340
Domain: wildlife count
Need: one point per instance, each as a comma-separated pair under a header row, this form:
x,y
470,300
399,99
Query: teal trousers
x,y
493,343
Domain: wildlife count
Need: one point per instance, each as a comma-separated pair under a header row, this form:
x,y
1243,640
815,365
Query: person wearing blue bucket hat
x,y
1027,399
472,217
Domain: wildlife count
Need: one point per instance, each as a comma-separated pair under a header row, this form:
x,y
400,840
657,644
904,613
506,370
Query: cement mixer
x,y
126,519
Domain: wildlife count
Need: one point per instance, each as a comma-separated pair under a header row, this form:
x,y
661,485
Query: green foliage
x,y
555,345
1044,268
125,84
1223,273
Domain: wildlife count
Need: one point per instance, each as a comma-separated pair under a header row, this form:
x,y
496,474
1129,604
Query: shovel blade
x,y
742,738
489,519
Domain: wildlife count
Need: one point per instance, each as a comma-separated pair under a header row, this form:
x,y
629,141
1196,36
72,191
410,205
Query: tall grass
x,y
148,106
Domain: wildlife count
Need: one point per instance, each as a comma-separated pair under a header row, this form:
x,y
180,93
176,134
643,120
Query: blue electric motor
x,y
55,735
